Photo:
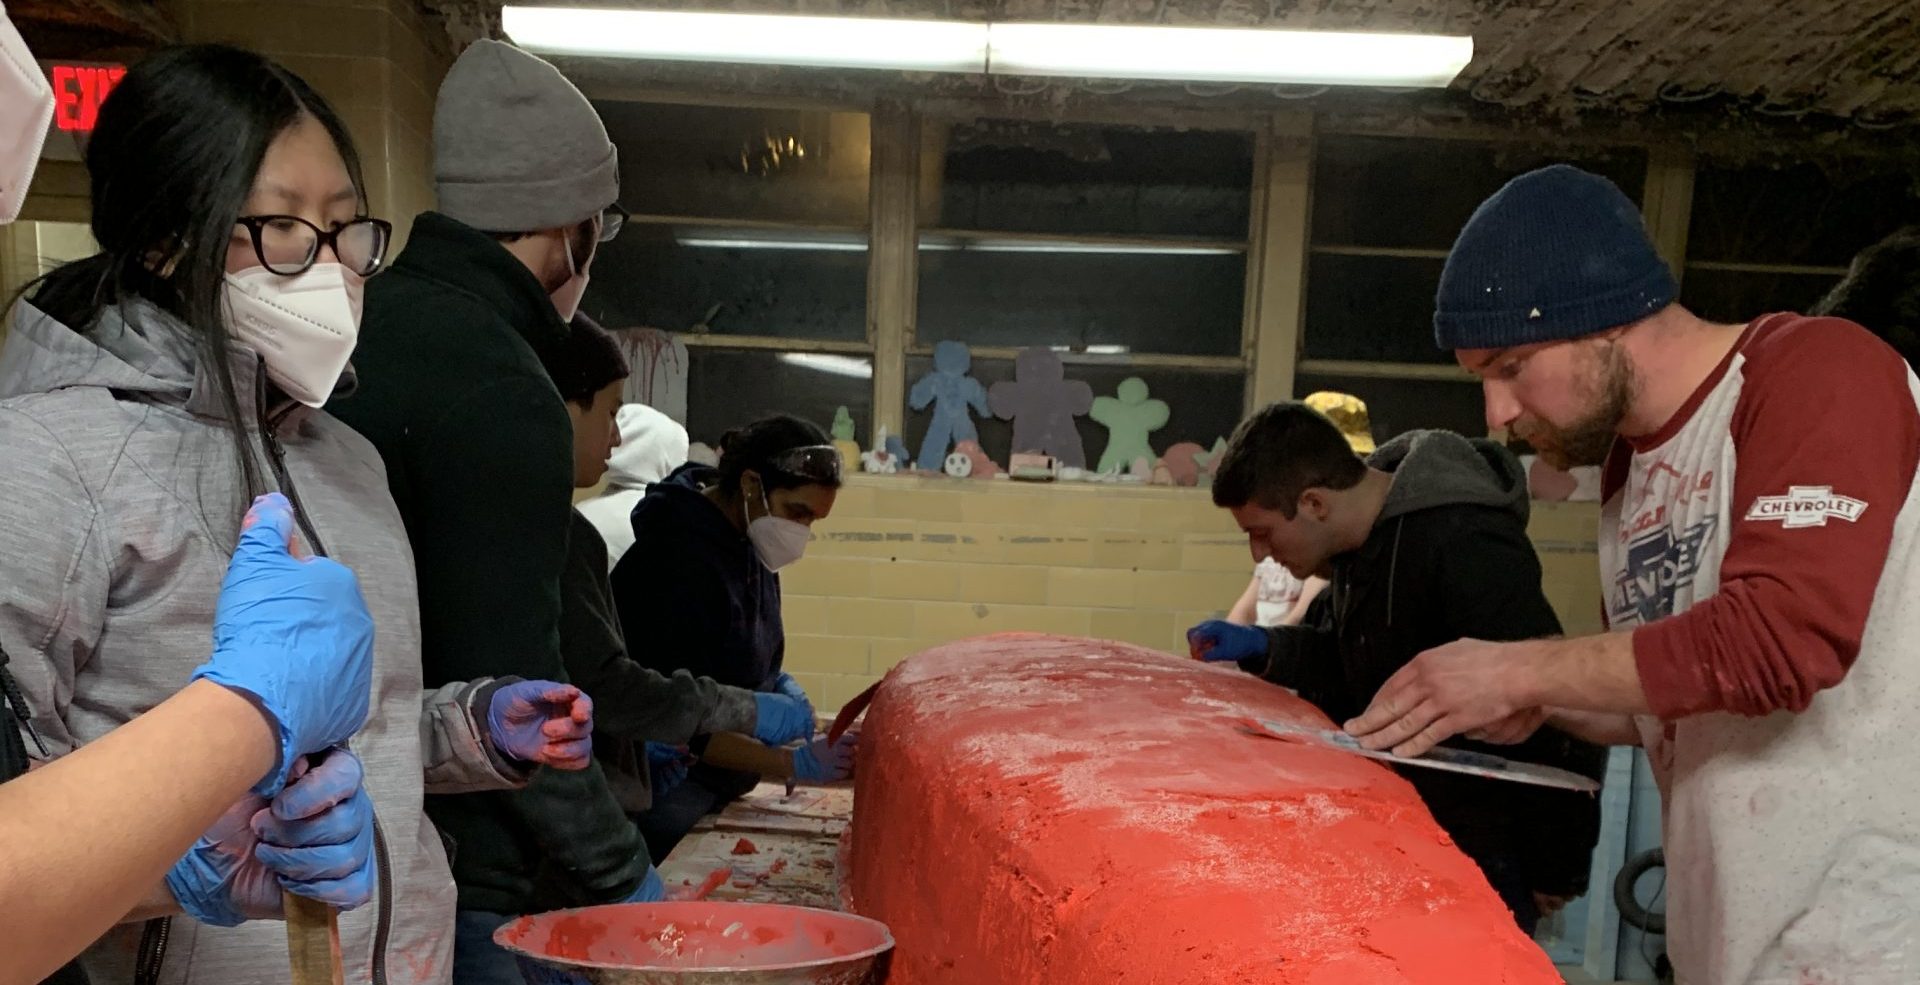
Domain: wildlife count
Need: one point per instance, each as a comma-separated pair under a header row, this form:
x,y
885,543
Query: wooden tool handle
x,y
313,941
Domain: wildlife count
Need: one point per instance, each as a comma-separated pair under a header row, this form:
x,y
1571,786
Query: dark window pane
x,y
1204,405
1412,193
1376,309
724,162
1397,406
650,277
1736,296
1069,178
1798,215
1179,304
727,388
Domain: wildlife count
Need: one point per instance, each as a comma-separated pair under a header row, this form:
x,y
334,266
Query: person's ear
x,y
1313,503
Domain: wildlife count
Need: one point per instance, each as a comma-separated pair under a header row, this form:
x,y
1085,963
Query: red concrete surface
x,y
1037,809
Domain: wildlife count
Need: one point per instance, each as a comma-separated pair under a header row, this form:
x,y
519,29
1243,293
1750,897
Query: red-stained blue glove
x,y
1219,641
542,722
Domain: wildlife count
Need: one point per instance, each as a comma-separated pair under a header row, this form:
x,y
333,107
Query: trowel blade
x,y
1441,758
850,711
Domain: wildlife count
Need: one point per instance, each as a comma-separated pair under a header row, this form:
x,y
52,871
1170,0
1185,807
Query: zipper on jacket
x,y
152,951
383,867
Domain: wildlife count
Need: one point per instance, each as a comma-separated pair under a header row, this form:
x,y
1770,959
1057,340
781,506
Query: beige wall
x,y
376,61
905,563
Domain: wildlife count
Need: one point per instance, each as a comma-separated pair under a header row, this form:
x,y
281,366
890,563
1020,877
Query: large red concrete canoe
x,y
1036,809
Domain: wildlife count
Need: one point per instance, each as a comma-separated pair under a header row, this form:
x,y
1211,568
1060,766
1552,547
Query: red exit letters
x,y
78,91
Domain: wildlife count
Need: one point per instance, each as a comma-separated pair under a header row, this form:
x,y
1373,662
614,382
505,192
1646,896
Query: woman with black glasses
x,y
699,591
147,394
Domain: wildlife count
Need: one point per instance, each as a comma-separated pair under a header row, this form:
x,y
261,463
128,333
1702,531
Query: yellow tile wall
x,y
904,564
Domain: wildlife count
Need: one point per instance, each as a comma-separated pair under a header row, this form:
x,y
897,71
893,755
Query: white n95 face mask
x,y
26,110
304,326
778,540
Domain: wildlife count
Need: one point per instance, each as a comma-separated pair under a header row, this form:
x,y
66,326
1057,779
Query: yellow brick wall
x,y
906,563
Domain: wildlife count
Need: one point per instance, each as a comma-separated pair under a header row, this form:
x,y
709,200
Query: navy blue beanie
x,y
1558,253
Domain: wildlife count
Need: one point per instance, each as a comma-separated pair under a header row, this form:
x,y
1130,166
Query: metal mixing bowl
x,y
699,943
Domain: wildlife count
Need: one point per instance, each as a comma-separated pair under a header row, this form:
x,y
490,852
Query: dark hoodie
x,y
693,596
1449,559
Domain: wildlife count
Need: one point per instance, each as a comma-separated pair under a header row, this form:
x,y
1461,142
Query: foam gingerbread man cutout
x,y
843,439
1042,404
952,393
1130,417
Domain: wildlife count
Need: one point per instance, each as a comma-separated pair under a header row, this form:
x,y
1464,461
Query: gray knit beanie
x,y
516,147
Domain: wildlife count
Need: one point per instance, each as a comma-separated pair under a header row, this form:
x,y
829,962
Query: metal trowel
x,y
1440,758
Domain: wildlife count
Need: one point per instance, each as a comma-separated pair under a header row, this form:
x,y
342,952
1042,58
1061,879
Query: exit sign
x,y
78,90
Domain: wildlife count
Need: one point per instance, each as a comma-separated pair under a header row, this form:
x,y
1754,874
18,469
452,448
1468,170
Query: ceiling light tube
x,y
1067,246
751,39
1245,55
745,243
851,366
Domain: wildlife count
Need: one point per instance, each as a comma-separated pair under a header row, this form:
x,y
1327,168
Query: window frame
x,y
1278,247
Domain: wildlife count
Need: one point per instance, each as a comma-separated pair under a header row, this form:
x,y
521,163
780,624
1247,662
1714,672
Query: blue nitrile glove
x,y
542,722
652,889
818,762
781,718
295,635
668,766
1219,641
317,836
785,684
233,874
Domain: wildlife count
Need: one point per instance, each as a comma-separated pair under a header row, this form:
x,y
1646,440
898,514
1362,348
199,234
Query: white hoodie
x,y
652,445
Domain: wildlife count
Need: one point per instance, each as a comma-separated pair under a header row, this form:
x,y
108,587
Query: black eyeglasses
x,y
613,219
289,245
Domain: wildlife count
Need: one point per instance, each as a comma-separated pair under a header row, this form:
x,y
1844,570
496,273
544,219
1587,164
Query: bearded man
x,y
1758,558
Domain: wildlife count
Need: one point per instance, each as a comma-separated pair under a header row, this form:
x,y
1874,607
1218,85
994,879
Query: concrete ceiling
x,y
1792,65
1815,61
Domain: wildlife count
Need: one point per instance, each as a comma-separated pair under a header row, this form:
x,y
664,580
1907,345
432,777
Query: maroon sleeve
x,y
1827,437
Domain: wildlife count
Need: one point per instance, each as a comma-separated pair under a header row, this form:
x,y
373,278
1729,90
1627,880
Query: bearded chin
x,y
1585,443
1590,439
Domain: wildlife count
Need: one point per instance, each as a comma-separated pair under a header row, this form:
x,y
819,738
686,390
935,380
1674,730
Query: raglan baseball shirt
x,y
1762,549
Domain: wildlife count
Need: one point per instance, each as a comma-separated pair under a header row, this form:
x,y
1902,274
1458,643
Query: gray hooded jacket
x,y
119,507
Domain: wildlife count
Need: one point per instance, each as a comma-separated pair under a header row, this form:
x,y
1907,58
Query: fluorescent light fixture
x,y
1067,246
1092,350
751,39
747,243
1098,51
1209,54
725,239
826,363
740,238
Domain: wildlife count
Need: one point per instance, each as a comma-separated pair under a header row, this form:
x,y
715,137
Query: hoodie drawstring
x,y
1393,564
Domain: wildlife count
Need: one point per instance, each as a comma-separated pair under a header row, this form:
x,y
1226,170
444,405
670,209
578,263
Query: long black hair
x,y
755,446
172,161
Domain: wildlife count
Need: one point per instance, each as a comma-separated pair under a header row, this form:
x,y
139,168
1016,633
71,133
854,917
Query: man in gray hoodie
x,y
1424,542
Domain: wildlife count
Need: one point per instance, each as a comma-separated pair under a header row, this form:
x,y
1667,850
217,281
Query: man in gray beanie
x,y
1759,550
479,453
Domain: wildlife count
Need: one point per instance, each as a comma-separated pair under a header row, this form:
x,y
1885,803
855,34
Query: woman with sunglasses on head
x,y
699,591
147,394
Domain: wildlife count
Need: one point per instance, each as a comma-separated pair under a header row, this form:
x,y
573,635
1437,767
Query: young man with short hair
x,y
1425,542
1760,558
